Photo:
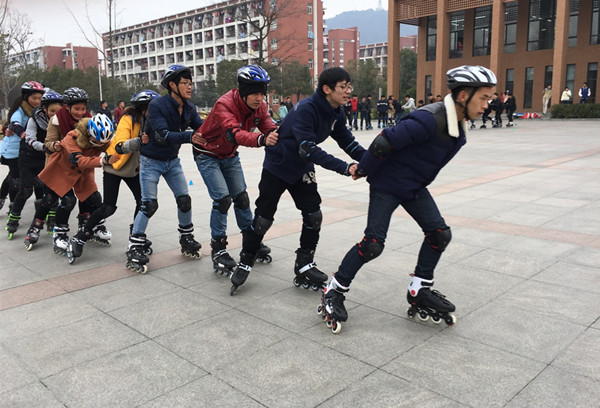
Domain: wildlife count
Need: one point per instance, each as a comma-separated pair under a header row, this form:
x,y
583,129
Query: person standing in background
x,y
119,110
546,96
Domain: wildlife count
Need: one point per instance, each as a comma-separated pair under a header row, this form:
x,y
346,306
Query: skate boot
x,y
136,259
223,263
50,221
482,126
147,245
242,271
100,234
75,248
189,246
33,234
509,124
427,303
262,255
2,201
332,309
13,224
307,274
61,239
472,125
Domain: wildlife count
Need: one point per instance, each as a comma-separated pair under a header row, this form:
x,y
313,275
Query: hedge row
x,y
586,110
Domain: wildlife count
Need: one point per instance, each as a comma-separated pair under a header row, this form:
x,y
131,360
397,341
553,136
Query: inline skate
x,y
332,309
223,263
262,255
136,258
61,239
100,234
189,246
12,224
242,271
50,221
426,302
76,244
147,245
33,234
307,274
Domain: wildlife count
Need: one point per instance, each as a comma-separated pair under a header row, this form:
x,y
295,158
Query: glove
x,y
129,146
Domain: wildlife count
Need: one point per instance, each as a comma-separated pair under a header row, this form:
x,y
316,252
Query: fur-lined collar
x,y
452,118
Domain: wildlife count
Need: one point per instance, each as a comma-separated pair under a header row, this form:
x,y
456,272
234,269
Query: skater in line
x,y
32,157
400,164
169,117
70,173
511,106
382,112
19,114
290,165
230,124
497,107
486,113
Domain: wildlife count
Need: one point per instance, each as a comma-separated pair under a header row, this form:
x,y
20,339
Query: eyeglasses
x,y
186,83
345,87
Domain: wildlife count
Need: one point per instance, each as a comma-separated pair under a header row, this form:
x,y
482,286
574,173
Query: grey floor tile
x,y
380,389
465,371
14,373
63,347
519,331
293,373
556,388
583,356
507,263
165,313
371,336
572,276
222,339
43,315
16,275
125,378
207,391
585,256
31,395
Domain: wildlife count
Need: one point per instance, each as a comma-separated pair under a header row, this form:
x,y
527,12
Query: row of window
x,y
542,17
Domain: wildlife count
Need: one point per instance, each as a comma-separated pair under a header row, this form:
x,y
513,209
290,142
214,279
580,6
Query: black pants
x,y
111,184
306,197
28,184
10,183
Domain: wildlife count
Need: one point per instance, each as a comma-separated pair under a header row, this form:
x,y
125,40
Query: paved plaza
x,y
523,269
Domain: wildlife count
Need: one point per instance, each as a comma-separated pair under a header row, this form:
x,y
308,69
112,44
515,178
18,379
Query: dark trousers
x,y
10,183
28,184
111,184
422,209
306,197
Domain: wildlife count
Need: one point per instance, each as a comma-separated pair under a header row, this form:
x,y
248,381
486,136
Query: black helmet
x,y
143,98
173,73
74,95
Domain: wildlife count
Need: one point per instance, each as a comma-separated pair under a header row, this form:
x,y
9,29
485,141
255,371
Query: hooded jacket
x,y
9,147
231,123
72,167
423,141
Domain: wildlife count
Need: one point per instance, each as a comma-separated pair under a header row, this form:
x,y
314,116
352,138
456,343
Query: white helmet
x,y
472,76
101,129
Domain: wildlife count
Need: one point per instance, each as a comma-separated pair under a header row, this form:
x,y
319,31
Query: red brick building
x,y
342,46
47,57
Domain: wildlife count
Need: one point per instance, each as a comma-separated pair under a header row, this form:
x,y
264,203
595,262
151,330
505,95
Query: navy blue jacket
x,y
422,145
312,120
163,115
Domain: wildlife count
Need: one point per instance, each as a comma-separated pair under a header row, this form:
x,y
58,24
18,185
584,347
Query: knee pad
x,y
184,203
27,192
94,201
108,210
242,201
68,202
14,183
439,238
313,220
369,249
48,201
222,205
149,207
261,225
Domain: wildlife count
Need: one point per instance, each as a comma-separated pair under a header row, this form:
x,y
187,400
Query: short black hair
x,y
331,77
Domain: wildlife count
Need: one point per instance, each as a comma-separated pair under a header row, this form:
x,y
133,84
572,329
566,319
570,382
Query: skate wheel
x,y
108,243
148,251
10,235
232,291
143,269
423,316
450,319
410,312
28,246
296,283
436,319
336,327
305,285
328,322
320,310
315,287
268,259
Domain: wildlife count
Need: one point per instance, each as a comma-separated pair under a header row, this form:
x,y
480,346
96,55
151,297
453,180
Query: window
x,y
510,27
528,95
273,43
427,86
573,22
542,14
431,37
309,8
510,79
457,27
310,45
310,30
482,31
274,25
548,75
570,79
310,63
592,79
595,29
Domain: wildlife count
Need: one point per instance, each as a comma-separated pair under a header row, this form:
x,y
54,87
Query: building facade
x,y
341,45
379,52
528,44
48,57
203,37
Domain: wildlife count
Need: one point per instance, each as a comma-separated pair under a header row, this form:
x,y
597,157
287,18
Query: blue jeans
x,y
381,206
354,119
150,172
224,177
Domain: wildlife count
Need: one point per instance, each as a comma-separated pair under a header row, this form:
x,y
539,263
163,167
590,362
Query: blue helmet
x,y
101,129
50,96
173,73
252,74
143,97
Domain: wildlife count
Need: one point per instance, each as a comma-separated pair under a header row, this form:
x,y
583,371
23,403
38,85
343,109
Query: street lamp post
x,y
100,77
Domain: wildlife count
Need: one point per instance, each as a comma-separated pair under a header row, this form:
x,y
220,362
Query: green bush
x,y
586,110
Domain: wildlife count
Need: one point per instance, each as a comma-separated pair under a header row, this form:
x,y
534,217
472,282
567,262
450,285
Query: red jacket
x,y
231,115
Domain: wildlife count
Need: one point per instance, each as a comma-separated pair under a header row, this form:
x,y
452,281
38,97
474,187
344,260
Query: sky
x,y
52,23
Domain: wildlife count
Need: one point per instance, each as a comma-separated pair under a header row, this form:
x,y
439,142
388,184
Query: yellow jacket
x,y
123,133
